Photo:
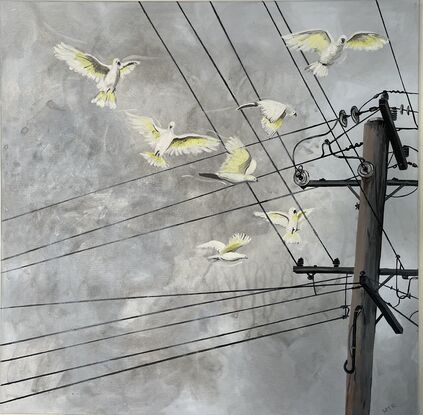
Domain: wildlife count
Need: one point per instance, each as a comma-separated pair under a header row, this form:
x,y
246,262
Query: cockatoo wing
x,y
192,144
81,62
217,245
278,218
146,127
366,41
238,160
128,67
301,215
252,167
236,241
309,40
272,110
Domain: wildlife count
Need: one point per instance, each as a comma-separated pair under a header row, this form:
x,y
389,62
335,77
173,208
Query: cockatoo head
x,y
342,39
292,211
171,125
117,62
251,178
291,112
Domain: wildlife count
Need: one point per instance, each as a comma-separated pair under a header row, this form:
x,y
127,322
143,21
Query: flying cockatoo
x,y
166,141
238,166
106,76
331,50
289,221
273,112
226,252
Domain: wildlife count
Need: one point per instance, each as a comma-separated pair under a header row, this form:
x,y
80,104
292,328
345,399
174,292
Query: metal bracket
x,y
380,303
392,132
356,183
301,269
354,192
393,192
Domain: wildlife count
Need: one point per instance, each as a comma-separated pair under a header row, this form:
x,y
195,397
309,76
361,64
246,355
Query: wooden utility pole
x,y
367,259
377,136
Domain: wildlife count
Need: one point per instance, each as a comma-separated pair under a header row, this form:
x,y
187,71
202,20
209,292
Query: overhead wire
x,y
168,359
324,117
171,346
197,160
258,96
140,234
212,124
152,328
46,245
167,295
396,62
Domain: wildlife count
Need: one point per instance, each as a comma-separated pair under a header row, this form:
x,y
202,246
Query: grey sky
x,y
57,145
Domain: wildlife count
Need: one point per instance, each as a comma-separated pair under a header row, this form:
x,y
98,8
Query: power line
x,y
140,234
281,141
151,296
403,315
405,194
139,215
201,339
253,130
213,127
151,313
176,203
165,325
396,62
169,359
154,174
333,110
401,292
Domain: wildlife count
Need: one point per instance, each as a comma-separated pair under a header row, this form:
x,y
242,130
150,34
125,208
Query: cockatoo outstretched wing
x,y
309,40
272,110
192,144
303,214
236,241
80,62
238,160
146,127
278,218
128,67
366,41
217,245
252,167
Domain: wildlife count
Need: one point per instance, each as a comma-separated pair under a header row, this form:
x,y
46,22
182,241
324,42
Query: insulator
x,y
343,118
301,177
365,169
355,114
403,109
394,113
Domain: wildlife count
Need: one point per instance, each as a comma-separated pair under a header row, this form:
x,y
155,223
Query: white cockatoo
x,y
290,221
238,166
273,112
107,77
226,252
165,141
329,49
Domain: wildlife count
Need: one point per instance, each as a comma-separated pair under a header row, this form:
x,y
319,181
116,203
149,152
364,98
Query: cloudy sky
x,y
85,217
